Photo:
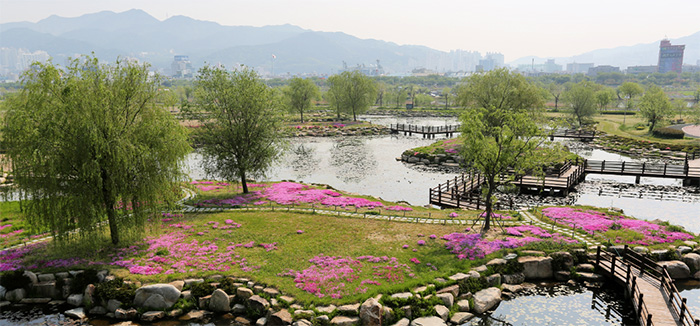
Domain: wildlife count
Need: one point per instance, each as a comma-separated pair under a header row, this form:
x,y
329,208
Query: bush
x,y
228,286
618,112
115,289
473,284
15,280
668,133
89,276
199,290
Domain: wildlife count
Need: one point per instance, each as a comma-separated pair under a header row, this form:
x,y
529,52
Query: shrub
x,y
199,290
81,280
668,133
15,280
228,286
116,289
473,284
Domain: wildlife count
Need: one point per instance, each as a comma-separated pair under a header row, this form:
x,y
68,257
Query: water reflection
x,y
352,159
303,160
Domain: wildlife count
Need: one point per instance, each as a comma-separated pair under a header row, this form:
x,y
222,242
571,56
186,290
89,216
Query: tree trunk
x,y
302,116
109,205
243,182
354,116
489,205
556,103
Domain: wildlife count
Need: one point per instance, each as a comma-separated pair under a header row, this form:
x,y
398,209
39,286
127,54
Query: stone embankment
x,y
439,160
333,131
455,300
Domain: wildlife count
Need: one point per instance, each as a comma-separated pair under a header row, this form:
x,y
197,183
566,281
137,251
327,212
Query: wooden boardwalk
x,y
655,299
689,172
426,131
584,135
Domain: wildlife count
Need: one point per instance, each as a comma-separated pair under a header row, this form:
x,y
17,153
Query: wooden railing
x,y
573,133
459,192
661,170
424,129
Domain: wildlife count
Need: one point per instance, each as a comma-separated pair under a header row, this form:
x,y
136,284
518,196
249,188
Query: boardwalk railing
x,y
629,259
643,169
424,129
459,192
573,133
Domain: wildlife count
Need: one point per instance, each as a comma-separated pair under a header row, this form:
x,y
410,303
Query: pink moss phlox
x,y
415,260
399,208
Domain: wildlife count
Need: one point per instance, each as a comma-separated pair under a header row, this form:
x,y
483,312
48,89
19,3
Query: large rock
x,y
692,260
447,299
75,300
486,299
15,295
463,305
280,318
565,260
345,321
32,277
453,289
536,267
244,293
676,269
371,313
156,296
76,313
442,312
2,292
125,314
258,303
46,290
350,309
219,301
460,318
402,322
516,278
113,305
152,315
428,321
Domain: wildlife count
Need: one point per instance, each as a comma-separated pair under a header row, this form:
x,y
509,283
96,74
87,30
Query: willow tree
x,y
655,106
581,99
241,123
355,92
89,144
298,95
501,129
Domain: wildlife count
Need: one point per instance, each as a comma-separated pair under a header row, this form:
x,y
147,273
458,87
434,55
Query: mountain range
x,y
136,34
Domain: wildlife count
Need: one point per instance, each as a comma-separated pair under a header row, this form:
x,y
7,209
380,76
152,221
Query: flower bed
x,y
613,227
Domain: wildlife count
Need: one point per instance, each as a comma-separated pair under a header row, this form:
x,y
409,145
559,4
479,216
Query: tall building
x,y
578,68
181,67
670,57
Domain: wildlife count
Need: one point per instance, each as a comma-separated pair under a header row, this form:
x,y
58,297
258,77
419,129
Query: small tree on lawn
x,y
356,92
628,91
242,124
581,100
500,128
87,143
298,95
655,106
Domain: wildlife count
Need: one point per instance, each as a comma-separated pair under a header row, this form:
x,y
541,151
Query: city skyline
x,y
514,28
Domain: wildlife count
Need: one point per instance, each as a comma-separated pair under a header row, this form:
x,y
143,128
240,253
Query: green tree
x,y
556,91
581,100
655,106
628,91
88,142
604,97
298,95
500,128
446,95
241,122
335,93
357,92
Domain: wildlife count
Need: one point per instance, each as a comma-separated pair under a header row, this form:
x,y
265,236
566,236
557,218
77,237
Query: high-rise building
x,y
578,68
670,57
181,67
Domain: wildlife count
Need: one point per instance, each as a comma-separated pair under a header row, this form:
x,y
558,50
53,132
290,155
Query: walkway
x,y
563,230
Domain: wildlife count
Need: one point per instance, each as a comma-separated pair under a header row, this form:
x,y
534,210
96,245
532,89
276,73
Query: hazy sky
x,y
516,28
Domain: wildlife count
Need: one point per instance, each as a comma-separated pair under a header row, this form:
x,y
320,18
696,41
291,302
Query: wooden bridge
x,y
584,135
655,298
426,131
689,171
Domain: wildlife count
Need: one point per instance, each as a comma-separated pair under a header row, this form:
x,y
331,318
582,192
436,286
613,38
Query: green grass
x,y
10,214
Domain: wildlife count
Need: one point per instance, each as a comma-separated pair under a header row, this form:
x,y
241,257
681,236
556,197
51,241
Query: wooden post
x,y
597,257
639,305
629,272
684,300
612,266
649,320
644,166
634,284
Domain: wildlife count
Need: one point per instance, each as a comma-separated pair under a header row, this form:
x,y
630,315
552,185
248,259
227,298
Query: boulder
x,y
244,293
691,259
463,305
15,295
326,309
516,278
585,268
676,269
287,299
460,318
240,320
684,249
371,313
190,281
480,269
178,285
562,276
452,289
428,321
696,275
512,288
3,290
46,290
238,309
641,250
75,313
350,309
258,303
403,322
564,260
441,311
75,300
345,321
447,299
402,295
113,305
302,313
536,267
486,299
219,301
98,311
271,292
152,315
125,314
496,262
494,280
194,315
458,277
156,296
261,321
280,318
46,278
89,294
32,277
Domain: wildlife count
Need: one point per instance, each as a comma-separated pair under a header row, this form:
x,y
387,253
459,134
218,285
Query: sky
x,y
516,28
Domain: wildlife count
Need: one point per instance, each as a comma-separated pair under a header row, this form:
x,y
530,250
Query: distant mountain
x,y
625,56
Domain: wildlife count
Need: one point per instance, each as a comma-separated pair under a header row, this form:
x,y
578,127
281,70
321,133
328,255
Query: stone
x,y
89,294
271,292
46,289
461,317
152,315
125,314
156,296
287,299
244,293
562,276
326,309
194,315
46,278
480,269
691,259
258,289
75,313
4,304
676,269
219,301
585,268
75,300
3,290
463,305
387,315
203,302
591,277
280,318
15,295
302,313
533,252
350,309
493,280
345,321
536,267
174,313
240,320
238,309
516,278
458,277
402,295
113,305
689,243
98,311
696,275
428,321
496,262
447,299
452,289
258,303
684,249
302,322
178,285
32,277
510,256
323,319
35,300
407,311
486,299
441,311
565,260
660,254
190,281
261,321
403,322
371,312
